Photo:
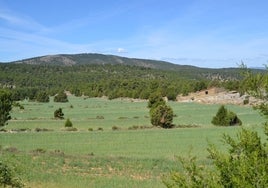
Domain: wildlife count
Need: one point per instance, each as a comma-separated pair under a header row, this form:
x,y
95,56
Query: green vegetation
x,y
113,143
61,97
225,117
162,116
135,155
42,97
160,113
5,107
245,164
68,123
96,75
58,114
7,177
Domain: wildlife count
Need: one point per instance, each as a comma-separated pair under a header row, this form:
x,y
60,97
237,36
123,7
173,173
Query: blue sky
x,y
204,33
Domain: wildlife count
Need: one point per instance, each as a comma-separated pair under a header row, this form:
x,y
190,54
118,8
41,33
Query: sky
x,y
204,33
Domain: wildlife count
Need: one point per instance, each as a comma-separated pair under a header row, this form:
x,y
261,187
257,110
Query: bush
x,y
245,165
225,118
5,107
115,128
58,114
68,123
7,177
61,97
162,116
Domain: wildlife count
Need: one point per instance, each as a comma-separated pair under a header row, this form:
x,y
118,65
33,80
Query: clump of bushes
x,y
225,117
90,129
99,117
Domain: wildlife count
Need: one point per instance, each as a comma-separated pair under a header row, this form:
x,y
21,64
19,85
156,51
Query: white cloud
x,y
121,50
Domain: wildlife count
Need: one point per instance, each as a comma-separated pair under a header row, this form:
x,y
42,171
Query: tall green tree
x,y
5,107
162,116
160,113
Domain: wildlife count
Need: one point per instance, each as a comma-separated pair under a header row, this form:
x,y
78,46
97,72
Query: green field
x,y
109,158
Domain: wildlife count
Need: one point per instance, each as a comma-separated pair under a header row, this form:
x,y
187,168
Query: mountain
x,y
108,75
98,59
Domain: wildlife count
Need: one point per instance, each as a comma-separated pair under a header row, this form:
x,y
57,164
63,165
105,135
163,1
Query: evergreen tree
x,y
162,116
68,123
5,107
225,118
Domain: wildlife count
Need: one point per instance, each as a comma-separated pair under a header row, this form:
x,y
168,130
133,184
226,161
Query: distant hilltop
x,y
98,59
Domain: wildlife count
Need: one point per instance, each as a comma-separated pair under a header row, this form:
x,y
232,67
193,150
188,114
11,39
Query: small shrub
x,y
70,129
58,114
100,129
3,130
68,123
123,118
39,151
42,130
21,130
90,129
115,128
99,117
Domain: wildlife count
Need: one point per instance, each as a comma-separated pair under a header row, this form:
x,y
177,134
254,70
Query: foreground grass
x,y
122,158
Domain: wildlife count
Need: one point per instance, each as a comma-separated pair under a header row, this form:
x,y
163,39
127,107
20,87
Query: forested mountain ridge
x,y
97,75
101,59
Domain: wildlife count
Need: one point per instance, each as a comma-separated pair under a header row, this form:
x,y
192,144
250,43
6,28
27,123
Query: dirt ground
x,y
217,96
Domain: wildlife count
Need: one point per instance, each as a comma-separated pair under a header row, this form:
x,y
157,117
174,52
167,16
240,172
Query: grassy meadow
x,y
105,157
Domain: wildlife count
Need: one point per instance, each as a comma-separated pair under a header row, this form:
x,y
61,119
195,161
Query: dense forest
x,y
124,78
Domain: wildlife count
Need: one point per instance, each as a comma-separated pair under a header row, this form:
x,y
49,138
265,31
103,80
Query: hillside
x,y
100,59
97,75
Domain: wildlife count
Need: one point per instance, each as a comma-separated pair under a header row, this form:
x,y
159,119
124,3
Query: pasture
x,y
108,157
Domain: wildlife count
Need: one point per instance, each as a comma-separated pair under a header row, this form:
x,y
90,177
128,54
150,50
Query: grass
x,y
109,158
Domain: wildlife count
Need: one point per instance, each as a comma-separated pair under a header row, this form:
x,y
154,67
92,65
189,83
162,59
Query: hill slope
x,y
98,59
188,71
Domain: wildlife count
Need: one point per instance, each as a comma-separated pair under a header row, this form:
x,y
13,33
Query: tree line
x,y
113,81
